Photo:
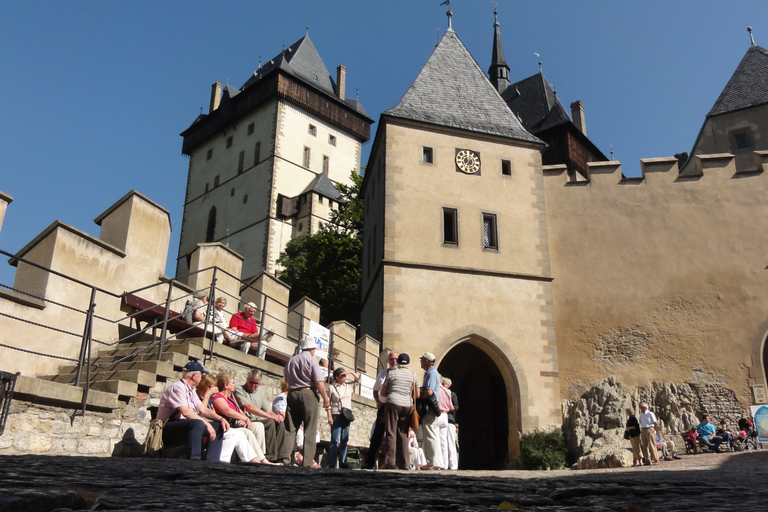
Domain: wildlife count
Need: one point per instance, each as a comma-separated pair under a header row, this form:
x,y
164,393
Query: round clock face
x,y
468,161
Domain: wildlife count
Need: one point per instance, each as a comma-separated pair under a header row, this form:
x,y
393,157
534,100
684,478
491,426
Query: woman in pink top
x,y
225,404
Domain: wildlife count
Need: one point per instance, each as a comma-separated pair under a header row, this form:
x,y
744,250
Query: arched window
x,y
211,230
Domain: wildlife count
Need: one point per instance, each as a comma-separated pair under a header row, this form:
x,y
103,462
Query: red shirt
x,y
244,325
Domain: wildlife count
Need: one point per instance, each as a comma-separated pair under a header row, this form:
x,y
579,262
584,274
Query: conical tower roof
x,y
748,87
451,90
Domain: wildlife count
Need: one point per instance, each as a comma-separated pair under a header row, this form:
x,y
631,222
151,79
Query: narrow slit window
x,y
257,153
450,226
489,231
241,163
325,164
306,156
229,142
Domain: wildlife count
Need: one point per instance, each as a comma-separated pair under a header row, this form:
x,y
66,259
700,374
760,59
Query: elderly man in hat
x,y
186,420
305,387
245,323
430,390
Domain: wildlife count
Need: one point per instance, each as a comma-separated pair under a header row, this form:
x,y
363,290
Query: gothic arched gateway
x,y
488,414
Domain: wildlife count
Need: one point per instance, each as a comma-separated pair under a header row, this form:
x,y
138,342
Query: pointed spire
x,y
751,37
498,71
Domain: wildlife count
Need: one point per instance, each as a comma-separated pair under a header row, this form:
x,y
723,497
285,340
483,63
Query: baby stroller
x,y
747,437
689,437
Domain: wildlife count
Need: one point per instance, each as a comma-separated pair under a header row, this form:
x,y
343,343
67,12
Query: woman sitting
x,y
225,405
234,439
340,394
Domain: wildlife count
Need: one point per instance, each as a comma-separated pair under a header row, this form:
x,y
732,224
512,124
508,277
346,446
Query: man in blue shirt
x,y
707,434
430,389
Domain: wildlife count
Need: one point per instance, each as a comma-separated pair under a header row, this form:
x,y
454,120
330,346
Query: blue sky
x,y
94,94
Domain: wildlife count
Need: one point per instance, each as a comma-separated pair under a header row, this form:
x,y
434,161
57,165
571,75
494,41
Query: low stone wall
x,y
56,430
593,425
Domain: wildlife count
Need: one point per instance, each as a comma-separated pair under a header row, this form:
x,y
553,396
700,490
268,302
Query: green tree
x,y
327,266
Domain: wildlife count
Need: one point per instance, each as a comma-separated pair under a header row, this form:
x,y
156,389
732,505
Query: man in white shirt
x,y
648,426
380,425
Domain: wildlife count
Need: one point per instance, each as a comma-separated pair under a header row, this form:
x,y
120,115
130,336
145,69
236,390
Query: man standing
x,y
186,420
429,390
254,402
707,434
380,426
305,381
648,426
245,323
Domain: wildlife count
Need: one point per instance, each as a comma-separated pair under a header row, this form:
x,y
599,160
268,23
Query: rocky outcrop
x,y
593,425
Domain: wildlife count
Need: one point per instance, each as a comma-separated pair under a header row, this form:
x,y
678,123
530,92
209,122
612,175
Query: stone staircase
x,y
124,372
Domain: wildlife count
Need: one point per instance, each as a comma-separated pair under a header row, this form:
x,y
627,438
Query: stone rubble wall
x,y
54,430
593,425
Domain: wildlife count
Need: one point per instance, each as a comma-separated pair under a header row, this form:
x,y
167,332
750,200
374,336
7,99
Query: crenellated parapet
x,y
660,170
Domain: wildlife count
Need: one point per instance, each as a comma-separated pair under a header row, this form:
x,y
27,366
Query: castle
x,y
497,235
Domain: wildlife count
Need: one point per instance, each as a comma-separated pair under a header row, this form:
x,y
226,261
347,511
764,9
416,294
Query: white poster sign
x,y
760,415
322,337
366,386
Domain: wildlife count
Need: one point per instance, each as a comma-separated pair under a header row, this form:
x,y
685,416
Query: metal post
x,y
208,316
88,368
165,320
86,336
331,362
259,353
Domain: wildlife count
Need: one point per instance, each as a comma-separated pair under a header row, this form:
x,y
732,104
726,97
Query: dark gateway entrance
x,y
482,416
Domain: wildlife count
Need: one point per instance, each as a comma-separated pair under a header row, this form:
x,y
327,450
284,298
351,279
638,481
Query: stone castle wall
x,y
55,430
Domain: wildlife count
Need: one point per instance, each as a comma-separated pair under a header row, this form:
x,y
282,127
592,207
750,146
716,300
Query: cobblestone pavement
x,y
735,481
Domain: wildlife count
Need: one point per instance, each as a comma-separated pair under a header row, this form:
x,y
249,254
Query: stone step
x,y
118,387
140,377
175,358
192,351
169,342
161,368
37,389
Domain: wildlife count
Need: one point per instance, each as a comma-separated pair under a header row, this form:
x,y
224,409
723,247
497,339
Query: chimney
x,y
341,80
215,97
577,113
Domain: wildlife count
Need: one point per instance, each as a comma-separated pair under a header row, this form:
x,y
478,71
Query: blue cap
x,y
194,366
404,359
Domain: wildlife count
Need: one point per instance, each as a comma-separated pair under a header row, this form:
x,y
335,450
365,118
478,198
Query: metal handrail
x,y
84,360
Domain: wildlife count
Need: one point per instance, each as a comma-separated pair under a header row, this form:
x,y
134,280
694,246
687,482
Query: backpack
x,y
153,443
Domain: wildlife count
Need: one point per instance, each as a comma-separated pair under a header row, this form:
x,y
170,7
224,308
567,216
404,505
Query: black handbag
x,y
348,414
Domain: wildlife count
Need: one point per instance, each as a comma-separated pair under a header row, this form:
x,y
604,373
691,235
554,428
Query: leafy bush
x,y
543,450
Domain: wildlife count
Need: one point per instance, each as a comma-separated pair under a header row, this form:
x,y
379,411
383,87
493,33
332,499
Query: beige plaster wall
x,y
662,278
139,225
417,192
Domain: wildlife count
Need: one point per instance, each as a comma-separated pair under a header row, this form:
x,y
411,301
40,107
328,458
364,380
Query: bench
x,y
149,312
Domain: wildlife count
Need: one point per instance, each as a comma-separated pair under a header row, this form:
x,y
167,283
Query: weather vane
x,y
539,56
449,13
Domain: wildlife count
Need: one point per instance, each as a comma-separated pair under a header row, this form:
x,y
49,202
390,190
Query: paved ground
x,y
735,481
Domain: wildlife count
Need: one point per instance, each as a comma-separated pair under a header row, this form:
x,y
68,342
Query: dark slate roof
x,y
748,87
535,102
451,90
356,106
323,186
302,61
497,55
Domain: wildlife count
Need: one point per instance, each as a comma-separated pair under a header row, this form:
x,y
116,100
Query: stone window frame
x,y
307,156
450,224
506,167
490,231
427,155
